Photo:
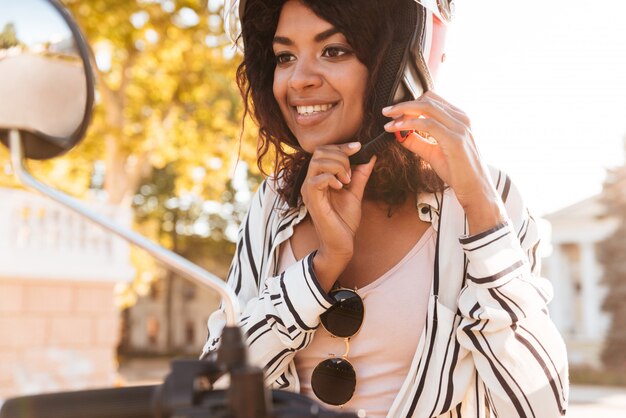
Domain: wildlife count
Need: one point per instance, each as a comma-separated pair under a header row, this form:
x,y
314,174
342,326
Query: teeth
x,y
307,110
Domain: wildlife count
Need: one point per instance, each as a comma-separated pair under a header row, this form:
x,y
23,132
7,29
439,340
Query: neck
x,y
373,210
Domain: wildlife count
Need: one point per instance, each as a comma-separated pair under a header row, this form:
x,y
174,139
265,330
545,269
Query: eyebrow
x,y
318,38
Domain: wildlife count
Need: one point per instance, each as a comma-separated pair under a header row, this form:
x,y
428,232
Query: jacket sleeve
x,y
280,313
518,352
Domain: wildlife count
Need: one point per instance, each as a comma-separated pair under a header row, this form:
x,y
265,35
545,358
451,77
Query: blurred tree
x,y
8,36
612,256
166,93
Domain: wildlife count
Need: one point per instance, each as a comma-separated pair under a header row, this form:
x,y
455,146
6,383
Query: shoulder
x,y
266,202
266,194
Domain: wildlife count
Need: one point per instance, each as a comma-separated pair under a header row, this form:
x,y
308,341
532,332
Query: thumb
x,y
360,175
350,148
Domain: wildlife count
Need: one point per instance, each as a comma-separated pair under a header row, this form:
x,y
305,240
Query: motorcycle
x,y
47,91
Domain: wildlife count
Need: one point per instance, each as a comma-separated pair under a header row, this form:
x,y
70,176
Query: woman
x,y
445,316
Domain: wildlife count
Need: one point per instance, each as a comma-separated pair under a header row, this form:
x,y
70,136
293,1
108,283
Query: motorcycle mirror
x,y
46,80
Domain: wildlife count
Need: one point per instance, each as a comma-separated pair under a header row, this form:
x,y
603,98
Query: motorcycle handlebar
x,y
130,402
138,402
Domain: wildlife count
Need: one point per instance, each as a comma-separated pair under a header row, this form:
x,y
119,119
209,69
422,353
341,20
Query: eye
x,y
284,57
336,51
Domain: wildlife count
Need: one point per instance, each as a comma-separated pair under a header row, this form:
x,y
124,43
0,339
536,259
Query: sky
x,y
544,83
35,20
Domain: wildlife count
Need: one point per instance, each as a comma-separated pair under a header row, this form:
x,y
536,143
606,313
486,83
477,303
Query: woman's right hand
x,y
332,194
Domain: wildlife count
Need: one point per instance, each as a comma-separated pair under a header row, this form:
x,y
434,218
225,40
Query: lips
x,y
308,114
307,110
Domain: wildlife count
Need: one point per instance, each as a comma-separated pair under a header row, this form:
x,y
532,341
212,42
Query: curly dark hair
x,y
368,28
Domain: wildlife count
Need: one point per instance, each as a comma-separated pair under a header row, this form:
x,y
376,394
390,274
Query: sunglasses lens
x,y
333,381
345,317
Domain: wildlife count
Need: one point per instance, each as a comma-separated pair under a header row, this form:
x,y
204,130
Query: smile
x,y
309,110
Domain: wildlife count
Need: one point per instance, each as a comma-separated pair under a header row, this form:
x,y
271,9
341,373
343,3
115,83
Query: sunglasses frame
x,y
347,351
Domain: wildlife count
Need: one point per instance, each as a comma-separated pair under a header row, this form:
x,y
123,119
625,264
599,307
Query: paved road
x,y
597,402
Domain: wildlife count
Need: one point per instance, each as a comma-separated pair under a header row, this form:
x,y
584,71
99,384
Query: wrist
x,y
328,266
484,215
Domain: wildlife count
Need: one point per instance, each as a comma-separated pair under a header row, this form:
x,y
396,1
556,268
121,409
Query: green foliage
x,y
612,256
167,94
183,218
8,36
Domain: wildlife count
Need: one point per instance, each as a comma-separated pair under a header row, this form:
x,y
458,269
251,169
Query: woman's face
x,y
319,83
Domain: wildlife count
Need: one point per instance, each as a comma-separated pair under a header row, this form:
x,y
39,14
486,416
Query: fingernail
x,y
400,123
387,109
354,145
389,124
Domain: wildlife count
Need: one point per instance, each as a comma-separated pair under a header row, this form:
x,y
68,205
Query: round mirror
x,y
46,81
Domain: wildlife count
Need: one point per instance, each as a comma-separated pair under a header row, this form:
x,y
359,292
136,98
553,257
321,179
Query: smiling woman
x,y
352,46
419,262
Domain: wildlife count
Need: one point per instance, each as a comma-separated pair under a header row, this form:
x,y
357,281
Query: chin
x,y
311,144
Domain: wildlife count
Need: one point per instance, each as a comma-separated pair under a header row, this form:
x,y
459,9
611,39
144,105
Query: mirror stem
x,y
172,260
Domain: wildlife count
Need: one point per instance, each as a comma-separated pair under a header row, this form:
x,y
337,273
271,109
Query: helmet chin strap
x,y
371,148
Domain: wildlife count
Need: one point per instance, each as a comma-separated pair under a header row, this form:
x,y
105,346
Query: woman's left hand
x,y
449,147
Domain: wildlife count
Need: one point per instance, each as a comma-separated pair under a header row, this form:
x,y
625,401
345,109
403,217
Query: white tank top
x,y
381,353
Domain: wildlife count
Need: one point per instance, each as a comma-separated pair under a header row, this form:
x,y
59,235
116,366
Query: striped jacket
x,y
488,347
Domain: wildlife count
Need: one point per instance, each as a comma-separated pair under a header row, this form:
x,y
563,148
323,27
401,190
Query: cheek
x,y
276,90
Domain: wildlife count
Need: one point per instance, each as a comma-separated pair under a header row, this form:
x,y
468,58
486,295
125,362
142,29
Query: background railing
x,y
41,239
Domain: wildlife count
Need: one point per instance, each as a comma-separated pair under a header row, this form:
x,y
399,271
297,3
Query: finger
x,y
432,98
429,126
458,113
336,167
412,107
351,147
338,152
325,181
360,176
425,107
346,149
439,99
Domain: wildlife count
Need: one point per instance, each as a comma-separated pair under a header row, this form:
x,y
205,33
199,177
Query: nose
x,y
305,74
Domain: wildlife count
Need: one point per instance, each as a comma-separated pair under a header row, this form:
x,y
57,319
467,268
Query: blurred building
x,y
576,274
170,320
59,327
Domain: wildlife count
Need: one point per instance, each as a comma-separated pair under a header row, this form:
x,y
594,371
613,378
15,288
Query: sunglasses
x,y
333,380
